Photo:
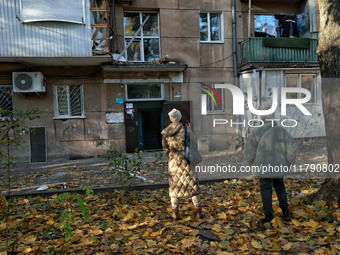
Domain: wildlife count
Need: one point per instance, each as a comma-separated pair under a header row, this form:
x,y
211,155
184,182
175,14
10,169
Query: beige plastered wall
x,y
207,62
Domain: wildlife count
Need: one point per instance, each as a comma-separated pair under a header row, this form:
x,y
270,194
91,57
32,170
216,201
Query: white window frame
x,y
144,99
298,76
68,116
141,37
215,111
209,32
11,87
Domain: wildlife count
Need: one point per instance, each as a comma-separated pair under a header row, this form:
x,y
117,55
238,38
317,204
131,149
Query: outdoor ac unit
x,y
27,82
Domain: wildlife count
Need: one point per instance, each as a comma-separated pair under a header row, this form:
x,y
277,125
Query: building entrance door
x,y
143,126
150,129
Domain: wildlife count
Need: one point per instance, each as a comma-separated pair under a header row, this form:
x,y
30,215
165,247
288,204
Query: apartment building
x,y
107,72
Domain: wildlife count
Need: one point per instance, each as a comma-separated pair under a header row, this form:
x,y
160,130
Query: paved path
x,y
94,172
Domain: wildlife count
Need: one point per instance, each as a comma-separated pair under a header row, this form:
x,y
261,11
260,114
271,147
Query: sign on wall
x,y
114,117
119,100
51,10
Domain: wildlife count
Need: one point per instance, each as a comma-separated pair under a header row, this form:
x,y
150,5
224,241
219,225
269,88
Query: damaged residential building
x,y
108,72
279,50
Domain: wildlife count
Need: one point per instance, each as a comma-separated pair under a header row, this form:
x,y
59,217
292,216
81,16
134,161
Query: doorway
x,y
150,127
37,143
144,123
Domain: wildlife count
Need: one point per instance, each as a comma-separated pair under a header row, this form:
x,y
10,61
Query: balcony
x,y
278,52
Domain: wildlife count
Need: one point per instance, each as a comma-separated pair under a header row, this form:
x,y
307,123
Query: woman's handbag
x,y
191,154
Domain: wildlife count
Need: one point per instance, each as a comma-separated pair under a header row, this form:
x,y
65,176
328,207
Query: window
x,y
213,102
69,101
146,44
307,81
148,92
264,25
6,101
211,27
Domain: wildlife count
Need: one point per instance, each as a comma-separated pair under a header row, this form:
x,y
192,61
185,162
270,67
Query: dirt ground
x,y
95,172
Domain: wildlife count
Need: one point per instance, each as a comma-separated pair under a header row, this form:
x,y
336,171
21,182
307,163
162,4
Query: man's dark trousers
x,y
266,186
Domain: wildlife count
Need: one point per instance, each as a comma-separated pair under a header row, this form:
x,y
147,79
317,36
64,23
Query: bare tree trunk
x,y
329,58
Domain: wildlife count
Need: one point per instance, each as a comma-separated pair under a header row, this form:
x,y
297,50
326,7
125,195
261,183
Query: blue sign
x,y
119,100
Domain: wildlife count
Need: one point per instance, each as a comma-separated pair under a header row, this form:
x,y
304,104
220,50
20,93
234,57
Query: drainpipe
x,y
249,17
234,39
170,85
239,140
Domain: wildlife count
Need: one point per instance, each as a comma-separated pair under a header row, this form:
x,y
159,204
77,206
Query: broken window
x,y
51,10
136,92
306,81
145,46
69,101
210,27
6,101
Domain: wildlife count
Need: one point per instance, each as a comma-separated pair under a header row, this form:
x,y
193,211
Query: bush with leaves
x,y
124,168
12,130
67,216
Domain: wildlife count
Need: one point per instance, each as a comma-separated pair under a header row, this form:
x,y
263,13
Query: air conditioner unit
x,y
27,82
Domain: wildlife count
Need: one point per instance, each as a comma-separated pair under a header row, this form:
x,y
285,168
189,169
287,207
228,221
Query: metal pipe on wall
x,y
239,140
249,17
234,38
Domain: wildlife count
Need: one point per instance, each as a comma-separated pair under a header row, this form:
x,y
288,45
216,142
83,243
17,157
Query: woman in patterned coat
x,y
182,182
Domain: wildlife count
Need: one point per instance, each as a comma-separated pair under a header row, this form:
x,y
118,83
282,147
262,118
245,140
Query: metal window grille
x,y
147,92
70,101
6,101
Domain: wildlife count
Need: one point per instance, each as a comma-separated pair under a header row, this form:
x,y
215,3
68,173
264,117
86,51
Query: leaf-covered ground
x,y
139,222
96,173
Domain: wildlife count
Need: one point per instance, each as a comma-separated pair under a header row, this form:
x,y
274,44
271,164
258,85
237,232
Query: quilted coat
x,y
182,181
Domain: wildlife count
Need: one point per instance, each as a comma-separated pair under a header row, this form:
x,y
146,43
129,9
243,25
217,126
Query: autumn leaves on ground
x,y
139,222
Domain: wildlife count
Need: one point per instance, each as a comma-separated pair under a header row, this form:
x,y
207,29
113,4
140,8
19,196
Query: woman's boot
x,y
199,213
175,214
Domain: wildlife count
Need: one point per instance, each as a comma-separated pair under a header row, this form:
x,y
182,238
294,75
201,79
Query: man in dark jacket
x,y
271,146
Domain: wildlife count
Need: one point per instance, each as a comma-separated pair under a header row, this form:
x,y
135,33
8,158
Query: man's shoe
x,y
267,218
287,216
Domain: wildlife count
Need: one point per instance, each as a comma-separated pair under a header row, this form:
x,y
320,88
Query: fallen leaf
x,y
295,222
60,241
28,250
277,223
222,216
256,244
313,224
287,246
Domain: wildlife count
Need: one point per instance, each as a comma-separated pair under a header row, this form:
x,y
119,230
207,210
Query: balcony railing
x,y
255,53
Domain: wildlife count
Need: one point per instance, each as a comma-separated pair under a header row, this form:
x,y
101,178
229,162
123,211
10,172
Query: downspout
x,y
249,17
234,40
239,141
170,85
